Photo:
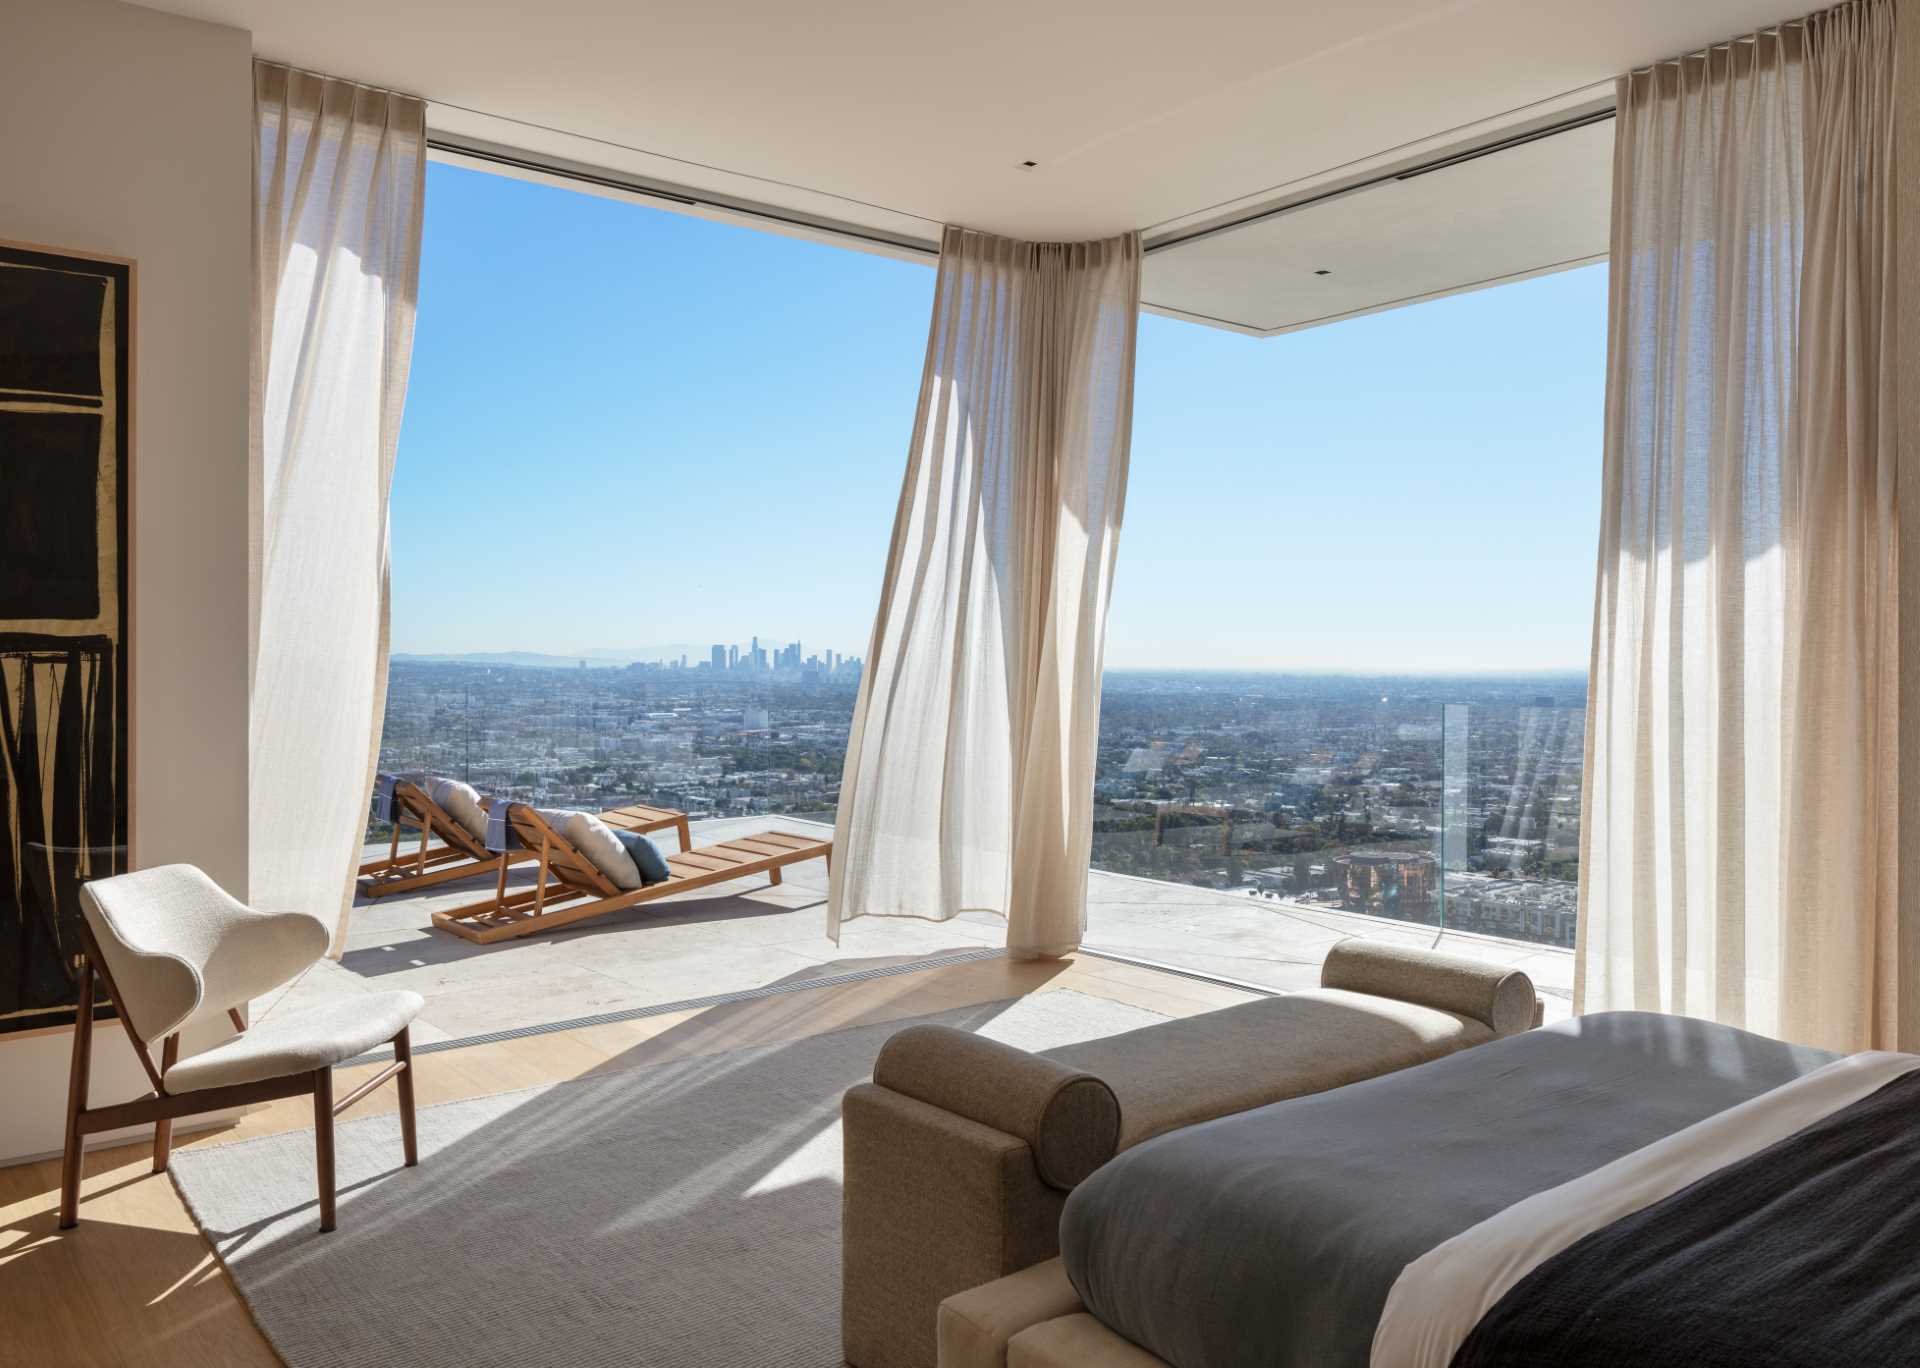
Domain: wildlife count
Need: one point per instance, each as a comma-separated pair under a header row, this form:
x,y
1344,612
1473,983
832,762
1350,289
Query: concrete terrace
x,y
747,936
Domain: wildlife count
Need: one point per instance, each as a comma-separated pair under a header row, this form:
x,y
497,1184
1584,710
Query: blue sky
x,y
626,428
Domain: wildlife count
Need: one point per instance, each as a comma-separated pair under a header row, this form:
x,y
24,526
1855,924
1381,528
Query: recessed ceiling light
x,y
1323,272
1028,165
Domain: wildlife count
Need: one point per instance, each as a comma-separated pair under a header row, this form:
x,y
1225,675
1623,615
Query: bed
x,y
1622,1188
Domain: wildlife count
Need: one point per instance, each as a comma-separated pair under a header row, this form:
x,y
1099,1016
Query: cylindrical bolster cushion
x,y
1070,1120
1502,998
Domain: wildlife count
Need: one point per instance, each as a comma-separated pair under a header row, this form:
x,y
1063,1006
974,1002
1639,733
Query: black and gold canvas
x,y
64,353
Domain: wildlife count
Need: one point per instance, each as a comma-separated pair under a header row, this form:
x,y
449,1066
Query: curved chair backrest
x,y
175,942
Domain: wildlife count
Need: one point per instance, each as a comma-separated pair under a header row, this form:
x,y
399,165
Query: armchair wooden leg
x,y
163,1128
409,1138
323,1142
77,1081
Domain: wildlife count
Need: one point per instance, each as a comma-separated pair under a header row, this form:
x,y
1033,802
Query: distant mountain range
x,y
600,657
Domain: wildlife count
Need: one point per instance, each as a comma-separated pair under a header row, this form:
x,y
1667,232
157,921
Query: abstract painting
x,y
65,336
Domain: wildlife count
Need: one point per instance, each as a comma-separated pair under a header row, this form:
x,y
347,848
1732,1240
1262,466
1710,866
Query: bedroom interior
x,y
870,1091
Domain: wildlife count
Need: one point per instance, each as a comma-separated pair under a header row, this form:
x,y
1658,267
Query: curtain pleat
x,y
1736,837
1839,864
969,777
339,192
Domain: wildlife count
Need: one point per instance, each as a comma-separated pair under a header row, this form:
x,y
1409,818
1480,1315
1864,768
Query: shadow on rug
x,y
677,1215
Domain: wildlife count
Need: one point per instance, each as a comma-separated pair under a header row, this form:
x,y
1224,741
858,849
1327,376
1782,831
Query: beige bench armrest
x,y
1070,1120
1501,997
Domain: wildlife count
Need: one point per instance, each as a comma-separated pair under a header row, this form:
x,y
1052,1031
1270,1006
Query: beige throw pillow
x,y
462,803
595,840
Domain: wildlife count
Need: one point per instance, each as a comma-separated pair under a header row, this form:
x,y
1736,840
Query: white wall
x,y
129,133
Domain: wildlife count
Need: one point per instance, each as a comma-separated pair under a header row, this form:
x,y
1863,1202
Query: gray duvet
x,y
1270,1239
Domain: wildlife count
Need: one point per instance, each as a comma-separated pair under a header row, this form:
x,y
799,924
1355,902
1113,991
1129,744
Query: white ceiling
x,y
895,116
1138,112
1539,206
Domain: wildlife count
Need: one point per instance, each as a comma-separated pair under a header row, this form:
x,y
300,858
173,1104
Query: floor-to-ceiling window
x,y
1346,671
644,492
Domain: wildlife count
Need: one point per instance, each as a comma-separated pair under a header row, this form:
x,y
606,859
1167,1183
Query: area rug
x,y
679,1215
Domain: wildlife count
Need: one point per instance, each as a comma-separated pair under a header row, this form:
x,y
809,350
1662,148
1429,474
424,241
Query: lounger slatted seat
x,y
571,888
461,854
646,820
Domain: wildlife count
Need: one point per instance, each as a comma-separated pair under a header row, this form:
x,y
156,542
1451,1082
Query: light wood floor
x,y
136,1284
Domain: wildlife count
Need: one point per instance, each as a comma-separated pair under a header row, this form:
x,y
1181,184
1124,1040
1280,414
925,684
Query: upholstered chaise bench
x,y
961,1151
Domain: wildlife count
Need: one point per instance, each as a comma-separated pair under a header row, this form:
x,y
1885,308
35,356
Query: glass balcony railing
x,y
1457,816
729,745
1426,802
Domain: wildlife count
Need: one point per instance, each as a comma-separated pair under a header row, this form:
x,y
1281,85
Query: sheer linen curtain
x,y
339,188
969,776
1738,838
1841,951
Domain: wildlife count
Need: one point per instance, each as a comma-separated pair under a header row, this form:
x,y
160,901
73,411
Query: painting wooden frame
x,y
66,551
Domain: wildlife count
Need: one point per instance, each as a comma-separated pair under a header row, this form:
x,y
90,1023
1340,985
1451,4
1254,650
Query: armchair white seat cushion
x,y
299,1042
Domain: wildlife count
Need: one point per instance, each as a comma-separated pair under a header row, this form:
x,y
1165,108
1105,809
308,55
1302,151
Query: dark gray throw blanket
x,y
501,836
1270,1239
383,797
1805,1255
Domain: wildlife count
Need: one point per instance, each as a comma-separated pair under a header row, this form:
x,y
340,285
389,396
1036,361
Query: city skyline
x,y
769,651
716,419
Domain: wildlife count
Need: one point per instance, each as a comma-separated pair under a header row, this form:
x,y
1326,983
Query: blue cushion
x,y
646,857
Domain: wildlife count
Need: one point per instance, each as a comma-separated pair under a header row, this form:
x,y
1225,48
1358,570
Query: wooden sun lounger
x,y
571,887
460,855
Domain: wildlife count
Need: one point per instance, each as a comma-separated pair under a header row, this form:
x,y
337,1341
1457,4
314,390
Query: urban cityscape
x,y
1438,800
